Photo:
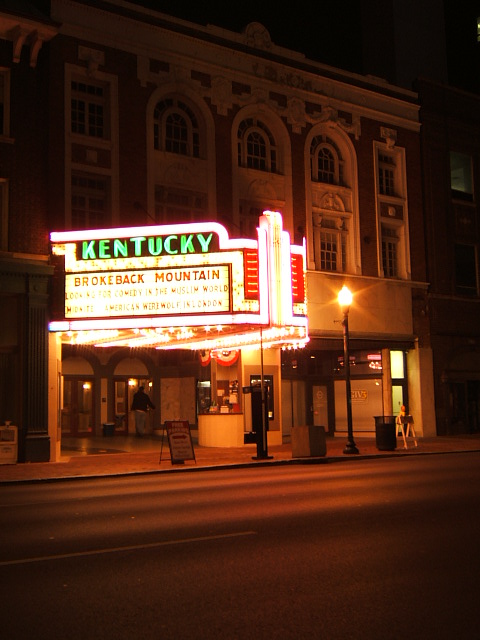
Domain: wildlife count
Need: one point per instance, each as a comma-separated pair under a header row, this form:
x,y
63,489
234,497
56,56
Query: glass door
x,y
121,407
77,411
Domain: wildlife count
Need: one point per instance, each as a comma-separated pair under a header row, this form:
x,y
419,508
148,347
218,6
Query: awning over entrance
x,y
219,337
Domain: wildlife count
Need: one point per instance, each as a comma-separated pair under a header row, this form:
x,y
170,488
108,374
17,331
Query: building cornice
x,y
22,28
222,54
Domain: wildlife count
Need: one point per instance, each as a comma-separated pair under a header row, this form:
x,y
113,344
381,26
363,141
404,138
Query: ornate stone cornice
x,y
23,31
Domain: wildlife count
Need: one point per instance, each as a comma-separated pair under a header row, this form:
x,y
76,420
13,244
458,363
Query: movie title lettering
x,y
141,246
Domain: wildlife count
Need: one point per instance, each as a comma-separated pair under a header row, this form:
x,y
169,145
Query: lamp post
x,y
345,300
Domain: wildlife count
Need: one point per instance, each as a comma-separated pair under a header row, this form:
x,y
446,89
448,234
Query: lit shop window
x,y
397,364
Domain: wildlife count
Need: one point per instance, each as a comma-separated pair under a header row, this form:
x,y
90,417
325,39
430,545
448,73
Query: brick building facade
x,y
137,118
451,164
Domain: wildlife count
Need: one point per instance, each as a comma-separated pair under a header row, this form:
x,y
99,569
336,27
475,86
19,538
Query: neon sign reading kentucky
x,y
140,246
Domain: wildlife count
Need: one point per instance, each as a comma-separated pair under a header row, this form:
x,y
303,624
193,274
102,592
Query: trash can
x,y
385,435
108,429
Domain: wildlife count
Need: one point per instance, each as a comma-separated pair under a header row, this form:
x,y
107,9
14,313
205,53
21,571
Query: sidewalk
x,y
97,457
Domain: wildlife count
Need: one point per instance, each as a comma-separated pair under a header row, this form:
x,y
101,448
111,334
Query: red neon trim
x,y
298,278
250,268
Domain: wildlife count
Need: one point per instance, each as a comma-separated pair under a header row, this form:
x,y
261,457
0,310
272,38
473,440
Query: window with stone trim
x,y
175,128
330,234
389,251
90,201
333,192
256,146
326,161
386,174
392,210
89,108
175,205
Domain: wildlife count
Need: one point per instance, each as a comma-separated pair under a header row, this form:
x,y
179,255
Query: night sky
x,y
330,32
321,30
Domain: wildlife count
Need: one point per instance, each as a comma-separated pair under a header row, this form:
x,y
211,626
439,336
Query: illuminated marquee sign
x,y
148,280
147,292
138,246
162,271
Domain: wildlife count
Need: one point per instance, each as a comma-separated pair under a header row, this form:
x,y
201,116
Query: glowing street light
x,y
345,300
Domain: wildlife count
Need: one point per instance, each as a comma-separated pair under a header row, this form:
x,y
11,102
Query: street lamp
x,y
345,300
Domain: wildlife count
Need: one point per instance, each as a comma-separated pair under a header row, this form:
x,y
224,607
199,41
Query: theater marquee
x,y
136,285
147,292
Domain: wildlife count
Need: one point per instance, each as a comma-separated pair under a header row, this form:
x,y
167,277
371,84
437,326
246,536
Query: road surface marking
x,y
135,547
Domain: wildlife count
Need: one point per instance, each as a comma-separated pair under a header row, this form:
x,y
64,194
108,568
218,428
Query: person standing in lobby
x,y
140,404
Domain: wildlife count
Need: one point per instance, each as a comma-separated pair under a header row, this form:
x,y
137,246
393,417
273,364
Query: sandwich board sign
x,y
179,441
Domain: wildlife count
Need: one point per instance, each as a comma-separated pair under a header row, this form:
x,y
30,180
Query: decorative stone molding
x,y
329,115
332,202
281,77
389,135
261,189
296,115
23,32
18,36
180,173
221,95
260,95
257,36
92,57
33,39
180,74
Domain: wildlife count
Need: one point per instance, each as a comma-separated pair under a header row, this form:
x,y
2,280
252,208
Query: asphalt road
x,y
385,548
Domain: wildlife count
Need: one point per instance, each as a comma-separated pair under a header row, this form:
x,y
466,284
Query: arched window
x,y
256,146
175,128
326,161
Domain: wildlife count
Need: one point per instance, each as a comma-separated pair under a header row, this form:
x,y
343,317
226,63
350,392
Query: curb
x,y
235,465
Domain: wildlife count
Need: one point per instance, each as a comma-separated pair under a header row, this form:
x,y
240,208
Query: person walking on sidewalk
x,y
140,404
